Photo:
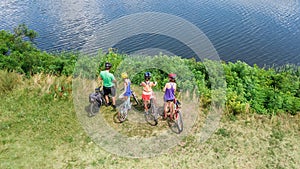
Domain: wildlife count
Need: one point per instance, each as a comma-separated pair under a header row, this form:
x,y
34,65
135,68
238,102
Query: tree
x,y
22,31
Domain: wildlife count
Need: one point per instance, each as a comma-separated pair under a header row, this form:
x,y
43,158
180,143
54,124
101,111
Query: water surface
x,y
263,32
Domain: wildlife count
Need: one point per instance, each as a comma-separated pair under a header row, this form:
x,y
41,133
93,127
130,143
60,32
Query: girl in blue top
x,y
127,92
169,96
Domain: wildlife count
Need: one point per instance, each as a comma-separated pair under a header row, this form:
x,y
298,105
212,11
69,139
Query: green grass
x,y
41,131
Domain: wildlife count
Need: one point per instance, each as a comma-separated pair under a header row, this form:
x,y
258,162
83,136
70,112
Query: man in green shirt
x,y
108,84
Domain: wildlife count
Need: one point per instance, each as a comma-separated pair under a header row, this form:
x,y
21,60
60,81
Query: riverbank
x,y
41,130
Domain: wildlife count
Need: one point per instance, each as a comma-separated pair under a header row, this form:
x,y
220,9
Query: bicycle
x,y
125,107
176,118
151,115
123,113
135,98
96,100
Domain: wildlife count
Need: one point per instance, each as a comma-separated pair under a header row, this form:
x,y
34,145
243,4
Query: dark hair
x,y
107,65
172,80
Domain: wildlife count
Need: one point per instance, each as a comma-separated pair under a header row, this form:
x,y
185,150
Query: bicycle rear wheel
x,y
123,114
151,116
178,121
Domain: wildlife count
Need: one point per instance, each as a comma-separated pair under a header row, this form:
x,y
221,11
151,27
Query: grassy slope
x,y
39,132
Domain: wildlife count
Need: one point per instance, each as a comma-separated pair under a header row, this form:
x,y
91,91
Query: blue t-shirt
x,y
128,90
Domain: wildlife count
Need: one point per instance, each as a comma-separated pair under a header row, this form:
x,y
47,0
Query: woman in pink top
x,y
147,89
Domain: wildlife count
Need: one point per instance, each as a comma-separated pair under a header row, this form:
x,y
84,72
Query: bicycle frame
x,y
152,97
176,117
95,103
176,108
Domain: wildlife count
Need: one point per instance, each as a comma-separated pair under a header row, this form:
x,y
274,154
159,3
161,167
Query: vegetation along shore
x,y
39,128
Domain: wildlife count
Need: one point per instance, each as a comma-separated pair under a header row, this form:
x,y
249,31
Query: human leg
x,y
145,105
171,106
165,109
113,96
128,102
125,103
106,93
106,99
146,99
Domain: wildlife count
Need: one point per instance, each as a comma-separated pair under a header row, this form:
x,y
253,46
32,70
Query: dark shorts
x,y
170,100
109,90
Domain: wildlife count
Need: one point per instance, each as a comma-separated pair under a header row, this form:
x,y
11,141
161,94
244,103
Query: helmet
x,y
147,75
124,75
172,75
107,65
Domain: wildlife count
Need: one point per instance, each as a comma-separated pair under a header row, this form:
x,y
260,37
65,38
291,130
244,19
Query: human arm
x,y
100,81
100,76
154,83
142,84
113,79
125,86
175,87
164,89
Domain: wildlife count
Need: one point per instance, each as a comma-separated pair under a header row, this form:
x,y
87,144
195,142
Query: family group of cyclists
x,y
109,89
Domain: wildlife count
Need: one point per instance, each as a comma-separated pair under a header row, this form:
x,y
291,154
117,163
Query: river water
x,y
262,32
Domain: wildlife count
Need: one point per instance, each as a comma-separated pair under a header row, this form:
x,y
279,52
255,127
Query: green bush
x,y
238,86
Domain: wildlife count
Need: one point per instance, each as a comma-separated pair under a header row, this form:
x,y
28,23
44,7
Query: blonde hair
x,y
124,75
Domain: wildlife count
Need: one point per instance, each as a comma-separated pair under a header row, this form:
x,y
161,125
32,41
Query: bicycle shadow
x,y
173,126
87,109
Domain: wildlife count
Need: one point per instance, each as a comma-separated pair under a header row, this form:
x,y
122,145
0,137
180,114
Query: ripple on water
x,y
255,31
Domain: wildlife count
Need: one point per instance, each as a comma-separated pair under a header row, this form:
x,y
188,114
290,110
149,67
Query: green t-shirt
x,y
107,78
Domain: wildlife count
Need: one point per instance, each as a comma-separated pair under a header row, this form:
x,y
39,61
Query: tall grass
x,y
9,81
36,133
38,129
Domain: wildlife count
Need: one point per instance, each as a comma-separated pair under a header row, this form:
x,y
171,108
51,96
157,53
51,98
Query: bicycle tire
x,y
151,116
123,114
178,121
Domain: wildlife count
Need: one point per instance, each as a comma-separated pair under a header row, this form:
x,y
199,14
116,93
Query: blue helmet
x,y
147,75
